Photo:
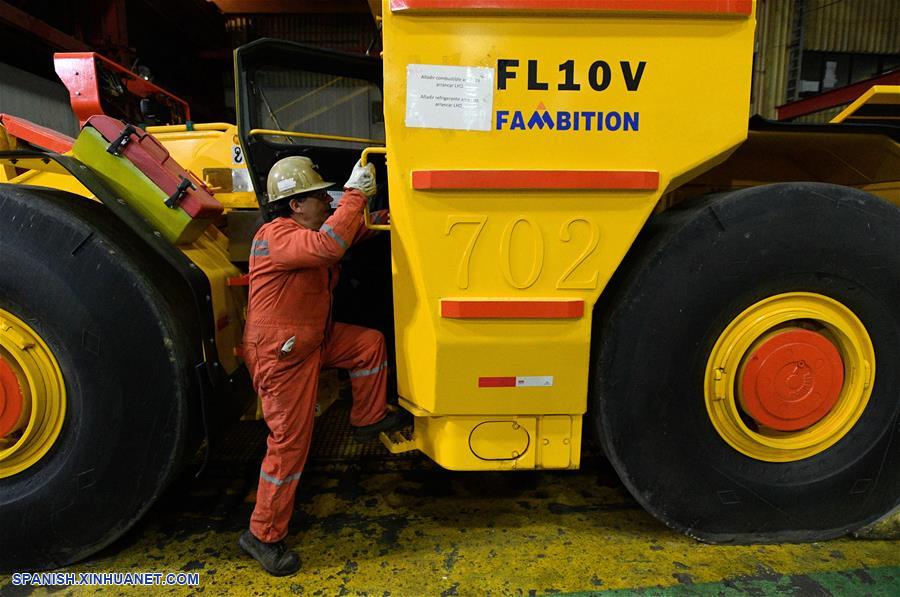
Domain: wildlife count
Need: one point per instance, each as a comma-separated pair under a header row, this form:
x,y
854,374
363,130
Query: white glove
x,y
362,179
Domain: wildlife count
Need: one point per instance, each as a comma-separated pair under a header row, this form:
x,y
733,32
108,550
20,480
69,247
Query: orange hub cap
x,y
792,380
10,399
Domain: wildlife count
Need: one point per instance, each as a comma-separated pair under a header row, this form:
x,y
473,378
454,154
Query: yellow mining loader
x,y
588,239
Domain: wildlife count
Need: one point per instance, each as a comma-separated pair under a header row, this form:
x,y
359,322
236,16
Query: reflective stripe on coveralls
x,y
327,230
365,372
293,272
259,248
275,481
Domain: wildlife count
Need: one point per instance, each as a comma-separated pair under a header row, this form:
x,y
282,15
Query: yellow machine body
x,y
504,238
873,106
212,152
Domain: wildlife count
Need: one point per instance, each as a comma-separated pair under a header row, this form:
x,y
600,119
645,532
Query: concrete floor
x,y
368,523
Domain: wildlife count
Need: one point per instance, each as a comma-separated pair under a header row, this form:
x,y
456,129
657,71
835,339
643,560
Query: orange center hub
x,y
792,380
10,399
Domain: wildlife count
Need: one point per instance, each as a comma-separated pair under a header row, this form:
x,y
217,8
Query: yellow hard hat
x,y
293,175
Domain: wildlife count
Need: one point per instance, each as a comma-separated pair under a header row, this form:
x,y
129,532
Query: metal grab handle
x,y
367,217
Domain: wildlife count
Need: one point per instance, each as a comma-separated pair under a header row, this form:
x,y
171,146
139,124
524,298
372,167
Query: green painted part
x,y
873,582
136,189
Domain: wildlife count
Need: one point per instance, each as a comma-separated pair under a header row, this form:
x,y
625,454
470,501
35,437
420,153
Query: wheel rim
x,y
32,396
789,377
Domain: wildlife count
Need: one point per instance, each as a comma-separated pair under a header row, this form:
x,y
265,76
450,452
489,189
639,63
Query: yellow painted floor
x,y
368,523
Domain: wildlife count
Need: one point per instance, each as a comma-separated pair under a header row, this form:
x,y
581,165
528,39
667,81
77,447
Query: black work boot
x,y
274,557
391,422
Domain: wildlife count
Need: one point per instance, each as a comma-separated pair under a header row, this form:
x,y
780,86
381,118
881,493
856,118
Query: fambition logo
x,y
567,121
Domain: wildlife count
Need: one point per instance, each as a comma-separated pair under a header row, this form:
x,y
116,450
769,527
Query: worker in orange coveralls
x,y
289,337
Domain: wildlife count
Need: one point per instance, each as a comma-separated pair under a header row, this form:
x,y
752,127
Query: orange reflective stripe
x,y
600,180
512,309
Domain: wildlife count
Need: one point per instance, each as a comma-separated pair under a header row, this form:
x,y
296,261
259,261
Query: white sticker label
x,y
237,156
541,381
286,184
449,97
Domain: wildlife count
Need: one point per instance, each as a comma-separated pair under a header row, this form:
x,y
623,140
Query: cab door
x,y
298,100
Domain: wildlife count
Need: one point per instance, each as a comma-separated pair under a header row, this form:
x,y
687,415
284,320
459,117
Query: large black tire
x,y
110,315
691,273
